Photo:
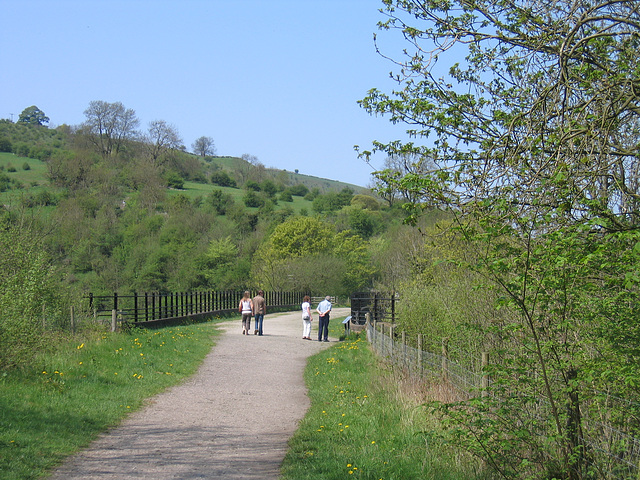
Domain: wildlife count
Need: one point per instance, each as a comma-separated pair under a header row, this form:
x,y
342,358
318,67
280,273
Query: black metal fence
x,y
153,306
380,306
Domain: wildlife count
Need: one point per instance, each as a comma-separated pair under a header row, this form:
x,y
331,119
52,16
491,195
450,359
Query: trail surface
x,y
231,420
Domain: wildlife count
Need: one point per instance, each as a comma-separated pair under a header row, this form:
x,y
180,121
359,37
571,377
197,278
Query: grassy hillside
x,y
27,177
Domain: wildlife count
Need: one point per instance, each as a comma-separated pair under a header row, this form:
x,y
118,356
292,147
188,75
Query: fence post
x,y
485,376
420,366
115,300
445,359
114,321
135,307
73,320
375,335
404,348
391,328
44,315
393,307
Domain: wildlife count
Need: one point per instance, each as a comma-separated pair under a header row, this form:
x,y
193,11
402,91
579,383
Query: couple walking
x,y
255,306
324,308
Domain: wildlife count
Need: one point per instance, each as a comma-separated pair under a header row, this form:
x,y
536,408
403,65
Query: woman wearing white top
x,y
246,308
306,318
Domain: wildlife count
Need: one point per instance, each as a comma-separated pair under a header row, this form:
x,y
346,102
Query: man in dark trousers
x,y
259,311
324,308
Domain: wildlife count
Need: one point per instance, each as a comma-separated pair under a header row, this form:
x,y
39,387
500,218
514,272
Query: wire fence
x,y
608,425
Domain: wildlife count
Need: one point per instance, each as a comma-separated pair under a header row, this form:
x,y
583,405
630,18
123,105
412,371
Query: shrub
x,y
252,200
222,179
28,287
174,180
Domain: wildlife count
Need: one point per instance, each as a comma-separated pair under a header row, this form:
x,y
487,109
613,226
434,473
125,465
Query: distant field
x,y
32,180
37,172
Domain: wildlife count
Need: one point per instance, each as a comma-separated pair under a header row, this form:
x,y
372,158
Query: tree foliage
x,y
33,116
307,252
109,126
204,146
161,138
532,142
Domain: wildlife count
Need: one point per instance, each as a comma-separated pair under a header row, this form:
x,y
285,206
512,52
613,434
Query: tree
x,y
204,146
533,137
109,126
33,116
303,244
160,139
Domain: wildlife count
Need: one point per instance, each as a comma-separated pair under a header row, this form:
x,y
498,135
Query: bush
x,y
29,287
299,190
222,179
285,196
174,180
252,200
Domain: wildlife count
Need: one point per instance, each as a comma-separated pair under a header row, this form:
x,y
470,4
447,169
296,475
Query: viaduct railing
x,y
379,306
156,306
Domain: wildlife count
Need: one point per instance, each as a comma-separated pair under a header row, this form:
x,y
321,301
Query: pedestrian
x,y
259,311
307,318
324,308
245,307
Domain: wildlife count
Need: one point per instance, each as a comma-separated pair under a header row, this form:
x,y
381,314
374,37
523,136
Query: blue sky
x,y
277,79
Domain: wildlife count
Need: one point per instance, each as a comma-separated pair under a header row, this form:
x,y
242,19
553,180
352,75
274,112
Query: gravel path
x,y
231,420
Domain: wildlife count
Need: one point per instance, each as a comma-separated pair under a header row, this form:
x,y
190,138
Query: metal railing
x,y
153,306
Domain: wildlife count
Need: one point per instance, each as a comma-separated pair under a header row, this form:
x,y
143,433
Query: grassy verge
x,y
361,426
57,406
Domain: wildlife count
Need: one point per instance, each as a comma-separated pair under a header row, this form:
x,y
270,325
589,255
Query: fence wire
x,y
613,452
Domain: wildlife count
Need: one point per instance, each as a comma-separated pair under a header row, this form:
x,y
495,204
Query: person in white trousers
x,y
306,318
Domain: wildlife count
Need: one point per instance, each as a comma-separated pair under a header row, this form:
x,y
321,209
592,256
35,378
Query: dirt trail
x,y
231,420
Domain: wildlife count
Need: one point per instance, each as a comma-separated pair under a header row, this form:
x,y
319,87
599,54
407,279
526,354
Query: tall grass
x,y
64,400
362,425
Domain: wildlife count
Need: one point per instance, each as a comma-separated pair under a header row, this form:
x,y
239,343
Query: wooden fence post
x,y
404,348
420,365
114,320
391,328
445,359
73,320
485,376
376,341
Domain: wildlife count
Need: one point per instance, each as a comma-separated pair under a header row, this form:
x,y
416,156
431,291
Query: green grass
x,y
360,426
62,402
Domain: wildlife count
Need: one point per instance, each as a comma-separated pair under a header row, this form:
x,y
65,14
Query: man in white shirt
x,y
324,308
